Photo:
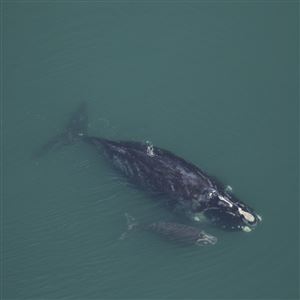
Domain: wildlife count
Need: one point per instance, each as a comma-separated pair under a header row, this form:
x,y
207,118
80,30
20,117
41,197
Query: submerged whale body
x,y
177,232
189,189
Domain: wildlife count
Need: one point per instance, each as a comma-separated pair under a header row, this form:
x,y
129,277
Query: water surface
x,y
216,83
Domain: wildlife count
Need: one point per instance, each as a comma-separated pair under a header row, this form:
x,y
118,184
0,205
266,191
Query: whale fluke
x,y
74,130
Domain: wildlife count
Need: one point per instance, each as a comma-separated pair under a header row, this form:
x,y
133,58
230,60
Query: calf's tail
x,y
131,224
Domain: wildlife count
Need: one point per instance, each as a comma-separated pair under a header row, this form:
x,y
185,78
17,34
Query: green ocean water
x,y
214,82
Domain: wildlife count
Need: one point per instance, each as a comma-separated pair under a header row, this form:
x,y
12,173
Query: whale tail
x,y
74,131
131,224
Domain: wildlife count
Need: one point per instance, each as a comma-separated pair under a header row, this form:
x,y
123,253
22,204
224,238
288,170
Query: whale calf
x,y
189,189
177,232
182,233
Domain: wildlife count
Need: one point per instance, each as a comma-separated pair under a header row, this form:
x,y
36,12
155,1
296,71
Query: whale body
x,y
189,189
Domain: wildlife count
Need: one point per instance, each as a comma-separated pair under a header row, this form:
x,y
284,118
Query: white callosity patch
x,y
212,194
150,149
228,189
225,200
246,229
249,217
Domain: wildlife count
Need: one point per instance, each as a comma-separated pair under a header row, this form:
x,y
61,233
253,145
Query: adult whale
x,y
190,190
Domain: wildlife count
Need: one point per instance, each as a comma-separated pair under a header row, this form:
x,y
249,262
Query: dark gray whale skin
x,y
190,190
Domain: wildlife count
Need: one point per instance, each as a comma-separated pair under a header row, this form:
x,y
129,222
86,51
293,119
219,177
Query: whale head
x,y
227,212
206,239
